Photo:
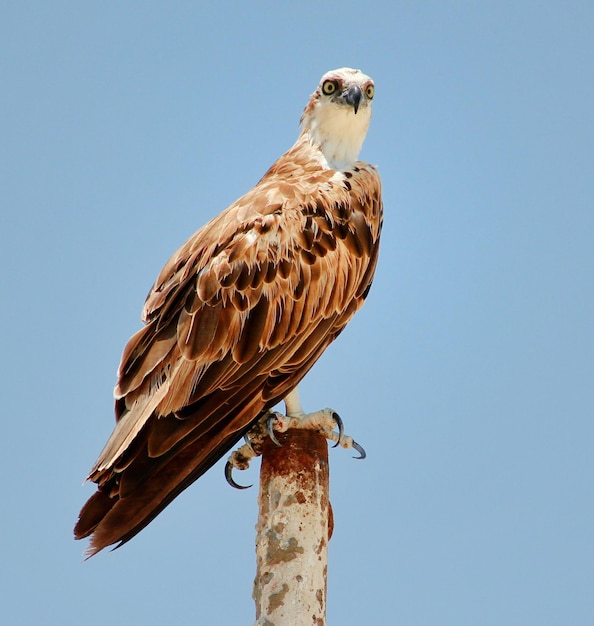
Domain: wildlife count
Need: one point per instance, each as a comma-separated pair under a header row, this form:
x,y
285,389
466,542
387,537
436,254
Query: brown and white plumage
x,y
240,314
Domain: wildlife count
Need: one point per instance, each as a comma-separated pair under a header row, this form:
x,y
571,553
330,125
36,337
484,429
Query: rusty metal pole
x,y
294,526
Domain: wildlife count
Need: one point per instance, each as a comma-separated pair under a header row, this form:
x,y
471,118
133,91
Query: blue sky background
x,y
468,375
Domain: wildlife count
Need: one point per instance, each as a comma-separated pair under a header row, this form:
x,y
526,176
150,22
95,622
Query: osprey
x,y
240,313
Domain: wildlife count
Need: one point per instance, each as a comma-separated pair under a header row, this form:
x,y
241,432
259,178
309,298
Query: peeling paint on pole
x,y
294,526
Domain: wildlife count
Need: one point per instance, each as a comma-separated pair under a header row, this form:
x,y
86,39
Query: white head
x,y
337,115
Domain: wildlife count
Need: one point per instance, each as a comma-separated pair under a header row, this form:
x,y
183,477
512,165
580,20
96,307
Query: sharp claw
x,y
360,450
229,477
270,430
336,417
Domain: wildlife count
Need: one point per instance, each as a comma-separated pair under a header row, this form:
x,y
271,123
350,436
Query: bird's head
x,y
337,115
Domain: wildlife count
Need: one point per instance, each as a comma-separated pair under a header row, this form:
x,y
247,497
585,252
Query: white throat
x,y
338,131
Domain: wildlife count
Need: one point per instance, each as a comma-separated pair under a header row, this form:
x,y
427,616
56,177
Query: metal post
x,y
294,526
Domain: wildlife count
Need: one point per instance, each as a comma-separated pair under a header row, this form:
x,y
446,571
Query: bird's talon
x,y
229,477
339,424
360,450
270,429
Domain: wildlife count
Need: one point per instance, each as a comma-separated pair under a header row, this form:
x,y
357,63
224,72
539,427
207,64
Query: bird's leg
x,y
240,458
325,421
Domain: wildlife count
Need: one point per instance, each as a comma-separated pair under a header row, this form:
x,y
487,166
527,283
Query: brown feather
x,y
198,331
249,341
234,321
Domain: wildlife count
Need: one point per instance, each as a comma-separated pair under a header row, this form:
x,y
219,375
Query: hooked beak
x,y
352,96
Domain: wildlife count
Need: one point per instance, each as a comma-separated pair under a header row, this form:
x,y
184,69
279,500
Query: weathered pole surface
x,y
293,529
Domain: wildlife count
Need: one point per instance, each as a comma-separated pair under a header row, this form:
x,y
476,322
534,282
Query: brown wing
x,y
235,320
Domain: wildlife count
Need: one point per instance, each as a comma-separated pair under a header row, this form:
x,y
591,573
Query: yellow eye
x,y
329,87
369,91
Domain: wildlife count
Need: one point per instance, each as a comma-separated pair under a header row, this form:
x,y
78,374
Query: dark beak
x,y
353,96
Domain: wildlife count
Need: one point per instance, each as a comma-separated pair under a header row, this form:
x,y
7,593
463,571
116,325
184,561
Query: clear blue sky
x,y
468,375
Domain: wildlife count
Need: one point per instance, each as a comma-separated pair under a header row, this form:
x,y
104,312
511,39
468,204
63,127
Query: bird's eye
x,y
329,87
370,91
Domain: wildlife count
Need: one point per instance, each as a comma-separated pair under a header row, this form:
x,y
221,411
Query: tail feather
x,y
109,520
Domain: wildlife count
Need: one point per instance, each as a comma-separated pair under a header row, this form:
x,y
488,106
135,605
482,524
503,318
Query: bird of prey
x,y
240,313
